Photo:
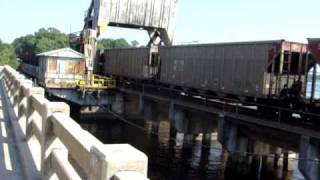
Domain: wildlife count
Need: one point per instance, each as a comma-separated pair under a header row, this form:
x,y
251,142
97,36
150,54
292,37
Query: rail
x,y
281,115
59,146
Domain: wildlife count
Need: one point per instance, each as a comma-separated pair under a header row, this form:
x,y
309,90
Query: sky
x,y
202,21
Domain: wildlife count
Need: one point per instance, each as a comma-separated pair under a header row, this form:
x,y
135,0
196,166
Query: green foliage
x,y
27,47
44,40
8,56
24,47
112,43
134,43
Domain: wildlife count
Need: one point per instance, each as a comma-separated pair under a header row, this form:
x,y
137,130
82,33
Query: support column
x,y
173,130
205,150
285,161
150,111
221,128
314,80
155,127
243,144
178,119
206,139
275,161
141,105
179,139
118,104
309,164
227,134
188,140
276,158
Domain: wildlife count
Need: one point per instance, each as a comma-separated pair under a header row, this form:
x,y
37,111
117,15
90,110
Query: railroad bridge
x,y
52,135
39,140
239,126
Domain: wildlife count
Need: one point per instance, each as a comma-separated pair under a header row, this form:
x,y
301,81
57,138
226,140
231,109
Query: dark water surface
x,y
179,159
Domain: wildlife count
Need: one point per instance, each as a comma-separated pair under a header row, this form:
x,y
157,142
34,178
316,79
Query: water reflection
x,y
192,155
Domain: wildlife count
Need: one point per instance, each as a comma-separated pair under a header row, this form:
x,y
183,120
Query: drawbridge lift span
x,y
157,17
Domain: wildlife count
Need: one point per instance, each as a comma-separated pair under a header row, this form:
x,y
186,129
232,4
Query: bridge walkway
x,y
15,158
39,140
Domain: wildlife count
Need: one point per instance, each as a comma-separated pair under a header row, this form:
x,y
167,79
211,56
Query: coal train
x,y
268,72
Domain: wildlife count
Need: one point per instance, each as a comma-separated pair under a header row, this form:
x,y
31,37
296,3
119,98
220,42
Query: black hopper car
x,y
272,73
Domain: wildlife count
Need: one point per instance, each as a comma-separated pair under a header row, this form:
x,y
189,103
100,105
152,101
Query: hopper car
x,y
264,72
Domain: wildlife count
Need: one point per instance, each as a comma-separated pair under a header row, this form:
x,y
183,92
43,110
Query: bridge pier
x,y
179,118
239,145
141,104
309,155
118,104
179,126
285,166
155,127
277,158
188,140
150,110
236,145
206,139
228,135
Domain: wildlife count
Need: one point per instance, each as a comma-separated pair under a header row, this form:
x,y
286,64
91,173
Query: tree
x,y
134,43
27,47
48,39
7,55
104,44
113,43
120,43
24,47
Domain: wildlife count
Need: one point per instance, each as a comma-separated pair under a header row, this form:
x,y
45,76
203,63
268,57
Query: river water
x,y
177,159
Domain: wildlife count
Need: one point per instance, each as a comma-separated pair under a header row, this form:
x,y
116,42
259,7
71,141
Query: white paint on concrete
x,y
132,175
7,158
3,130
101,161
1,114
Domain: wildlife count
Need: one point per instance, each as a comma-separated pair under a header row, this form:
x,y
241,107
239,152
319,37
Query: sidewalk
x,y
13,147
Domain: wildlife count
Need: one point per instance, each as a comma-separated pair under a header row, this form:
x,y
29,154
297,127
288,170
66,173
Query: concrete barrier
x,y
60,148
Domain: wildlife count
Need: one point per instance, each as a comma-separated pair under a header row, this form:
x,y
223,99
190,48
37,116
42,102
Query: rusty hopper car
x,y
249,69
131,63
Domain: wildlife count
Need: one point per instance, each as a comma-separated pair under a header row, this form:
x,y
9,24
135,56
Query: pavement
x,y
16,162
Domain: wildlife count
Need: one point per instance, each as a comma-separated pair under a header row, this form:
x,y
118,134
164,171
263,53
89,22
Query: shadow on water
x,y
194,153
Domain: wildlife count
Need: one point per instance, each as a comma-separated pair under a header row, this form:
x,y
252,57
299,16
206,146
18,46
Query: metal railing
x,y
97,83
59,146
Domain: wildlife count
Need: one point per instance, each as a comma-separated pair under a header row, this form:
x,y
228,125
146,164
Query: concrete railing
x,y
61,149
